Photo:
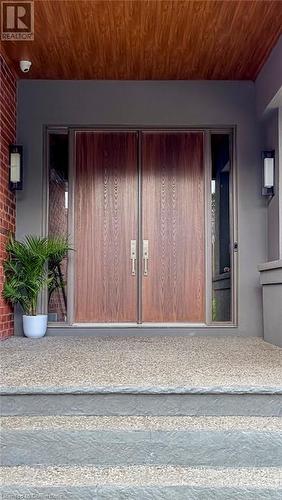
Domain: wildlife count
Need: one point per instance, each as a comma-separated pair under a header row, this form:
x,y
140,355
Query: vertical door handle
x,y
133,257
145,256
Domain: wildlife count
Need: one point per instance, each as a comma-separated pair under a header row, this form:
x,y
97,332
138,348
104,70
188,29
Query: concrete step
x,y
132,441
154,376
141,483
122,403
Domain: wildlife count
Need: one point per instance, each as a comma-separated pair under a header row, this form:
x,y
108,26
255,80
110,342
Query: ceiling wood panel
x,y
150,39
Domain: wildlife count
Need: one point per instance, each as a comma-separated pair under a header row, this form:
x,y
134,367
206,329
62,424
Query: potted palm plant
x,y
27,273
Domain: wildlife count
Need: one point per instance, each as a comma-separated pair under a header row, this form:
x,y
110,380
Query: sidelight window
x,y
58,183
221,228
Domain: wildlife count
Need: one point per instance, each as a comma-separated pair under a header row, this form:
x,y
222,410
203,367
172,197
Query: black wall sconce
x,y
268,173
16,167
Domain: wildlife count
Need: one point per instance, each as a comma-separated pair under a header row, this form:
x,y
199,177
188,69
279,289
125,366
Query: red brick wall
x,y
8,102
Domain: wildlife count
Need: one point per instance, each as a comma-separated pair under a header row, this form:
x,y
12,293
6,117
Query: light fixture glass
x,y
15,166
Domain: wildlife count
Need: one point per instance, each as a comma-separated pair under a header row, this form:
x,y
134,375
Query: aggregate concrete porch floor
x,y
253,477
135,364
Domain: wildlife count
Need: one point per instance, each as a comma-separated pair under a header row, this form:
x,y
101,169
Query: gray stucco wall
x,y
270,140
269,81
280,176
268,88
177,103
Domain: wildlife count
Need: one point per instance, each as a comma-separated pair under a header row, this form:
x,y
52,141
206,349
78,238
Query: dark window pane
x,y
221,262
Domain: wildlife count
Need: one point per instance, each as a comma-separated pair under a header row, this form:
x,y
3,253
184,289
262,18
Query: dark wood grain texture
x,y
173,222
105,223
149,39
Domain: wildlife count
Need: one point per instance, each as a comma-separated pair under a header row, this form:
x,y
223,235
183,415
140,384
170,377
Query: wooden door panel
x,y
173,222
105,224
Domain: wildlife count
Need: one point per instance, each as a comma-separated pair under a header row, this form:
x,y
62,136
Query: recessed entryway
x,y
151,218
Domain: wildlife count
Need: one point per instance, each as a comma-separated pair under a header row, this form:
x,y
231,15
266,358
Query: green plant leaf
x,y
32,265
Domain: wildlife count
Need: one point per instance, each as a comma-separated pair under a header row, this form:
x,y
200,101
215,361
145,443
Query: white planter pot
x,y
35,326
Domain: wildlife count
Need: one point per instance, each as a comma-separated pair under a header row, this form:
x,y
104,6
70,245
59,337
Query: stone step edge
x,y
142,423
266,477
216,390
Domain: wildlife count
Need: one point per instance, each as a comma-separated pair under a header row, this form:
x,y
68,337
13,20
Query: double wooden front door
x,y
139,227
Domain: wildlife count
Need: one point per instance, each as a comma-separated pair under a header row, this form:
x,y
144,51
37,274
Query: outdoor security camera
x,y
25,66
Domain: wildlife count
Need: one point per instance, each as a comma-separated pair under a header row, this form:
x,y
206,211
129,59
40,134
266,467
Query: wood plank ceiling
x,y
149,39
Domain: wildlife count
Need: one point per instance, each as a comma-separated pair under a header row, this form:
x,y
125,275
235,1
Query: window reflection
x,y
58,219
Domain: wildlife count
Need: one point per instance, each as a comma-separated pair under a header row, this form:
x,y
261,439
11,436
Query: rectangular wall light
x,y
16,167
268,173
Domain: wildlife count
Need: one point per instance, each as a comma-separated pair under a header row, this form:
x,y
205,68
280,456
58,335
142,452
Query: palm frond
x,y
31,265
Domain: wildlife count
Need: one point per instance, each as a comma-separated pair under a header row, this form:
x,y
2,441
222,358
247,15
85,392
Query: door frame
x,y
207,131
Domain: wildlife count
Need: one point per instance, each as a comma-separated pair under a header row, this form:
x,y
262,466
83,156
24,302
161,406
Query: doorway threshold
x,y
140,325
